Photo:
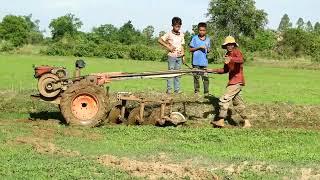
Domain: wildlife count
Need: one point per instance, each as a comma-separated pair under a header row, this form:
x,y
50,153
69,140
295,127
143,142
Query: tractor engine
x,y
50,80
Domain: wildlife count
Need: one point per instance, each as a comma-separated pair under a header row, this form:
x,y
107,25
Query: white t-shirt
x,y
176,41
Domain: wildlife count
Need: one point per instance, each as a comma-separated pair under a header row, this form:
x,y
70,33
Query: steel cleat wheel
x,y
84,104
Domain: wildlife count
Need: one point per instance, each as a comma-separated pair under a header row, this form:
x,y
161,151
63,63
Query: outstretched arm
x,y
223,70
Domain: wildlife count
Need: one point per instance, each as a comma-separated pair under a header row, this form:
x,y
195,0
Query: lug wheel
x,y
84,104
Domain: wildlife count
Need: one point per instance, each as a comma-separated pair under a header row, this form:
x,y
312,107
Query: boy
x,y
174,41
199,47
234,66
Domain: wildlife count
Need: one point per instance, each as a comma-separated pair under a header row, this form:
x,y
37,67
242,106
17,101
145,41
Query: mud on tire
x,y
84,104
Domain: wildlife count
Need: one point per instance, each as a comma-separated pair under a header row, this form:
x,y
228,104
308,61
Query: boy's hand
x,y
202,47
171,48
227,60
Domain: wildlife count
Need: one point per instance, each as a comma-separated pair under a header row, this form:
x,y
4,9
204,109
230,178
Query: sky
x,y
142,13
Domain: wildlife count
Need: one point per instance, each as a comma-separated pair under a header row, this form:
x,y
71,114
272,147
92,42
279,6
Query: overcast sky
x,y
148,12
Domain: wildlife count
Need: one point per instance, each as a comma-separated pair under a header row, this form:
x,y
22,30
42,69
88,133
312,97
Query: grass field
x,y
264,84
284,144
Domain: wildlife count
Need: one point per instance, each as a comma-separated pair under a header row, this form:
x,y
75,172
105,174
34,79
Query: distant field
x,y
264,84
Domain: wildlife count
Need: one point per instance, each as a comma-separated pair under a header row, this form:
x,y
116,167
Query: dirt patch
x,y
82,134
46,130
156,170
309,174
5,122
43,147
44,133
40,122
274,115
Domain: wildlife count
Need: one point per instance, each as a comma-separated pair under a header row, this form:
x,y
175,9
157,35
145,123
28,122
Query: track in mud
x,y
198,111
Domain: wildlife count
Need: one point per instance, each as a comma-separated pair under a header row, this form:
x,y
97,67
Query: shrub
x,y
144,53
216,55
264,40
112,51
316,57
60,49
248,56
7,46
85,49
294,43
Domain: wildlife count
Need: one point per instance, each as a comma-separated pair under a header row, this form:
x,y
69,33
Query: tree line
x,y
239,18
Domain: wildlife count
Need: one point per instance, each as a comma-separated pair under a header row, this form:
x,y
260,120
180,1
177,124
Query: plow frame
x,y
124,97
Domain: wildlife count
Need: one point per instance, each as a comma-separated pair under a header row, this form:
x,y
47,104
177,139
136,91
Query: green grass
x,y
287,151
264,84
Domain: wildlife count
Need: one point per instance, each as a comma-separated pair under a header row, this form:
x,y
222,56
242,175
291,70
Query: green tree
x,y
284,23
65,25
187,37
106,32
317,27
35,35
309,26
300,23
264,40
236,17
161,33
148,32
14,29
194,29
128,34
295,42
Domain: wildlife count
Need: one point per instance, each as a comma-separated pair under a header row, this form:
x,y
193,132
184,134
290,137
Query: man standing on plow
x,y
234,66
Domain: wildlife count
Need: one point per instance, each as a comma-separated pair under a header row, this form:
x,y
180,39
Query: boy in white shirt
x,y
174,41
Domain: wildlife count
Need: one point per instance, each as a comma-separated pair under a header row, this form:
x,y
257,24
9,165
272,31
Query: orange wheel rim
x,y
84,107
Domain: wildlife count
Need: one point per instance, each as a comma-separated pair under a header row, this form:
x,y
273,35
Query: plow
x,y
84,101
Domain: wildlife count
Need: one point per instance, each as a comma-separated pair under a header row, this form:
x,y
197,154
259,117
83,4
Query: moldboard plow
x,y
83,100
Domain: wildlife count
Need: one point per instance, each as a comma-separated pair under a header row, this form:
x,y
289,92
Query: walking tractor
x,y
83,100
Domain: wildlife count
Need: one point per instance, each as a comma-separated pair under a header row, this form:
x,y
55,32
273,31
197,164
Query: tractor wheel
x,y
47,80
114,115
84,104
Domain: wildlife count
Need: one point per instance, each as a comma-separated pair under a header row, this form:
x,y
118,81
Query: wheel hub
x,y
84,107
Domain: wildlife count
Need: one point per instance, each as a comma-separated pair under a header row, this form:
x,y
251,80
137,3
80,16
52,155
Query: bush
x,y
144,53
112,51
85,49
316,57
7,46
248,56
294,43
60,49
264,40
216,55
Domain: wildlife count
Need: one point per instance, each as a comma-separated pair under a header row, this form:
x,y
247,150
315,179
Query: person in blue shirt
x,y
200,47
